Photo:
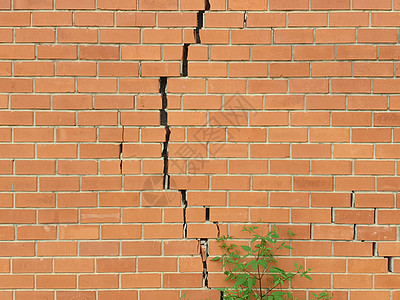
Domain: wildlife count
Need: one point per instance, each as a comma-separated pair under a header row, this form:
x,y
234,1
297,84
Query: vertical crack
x,y
121,148
163,92
200,21
245,20
204,256
390,263
218,229
164,122
311,231
207,5
375,249
354,231
207,214
185,54
352,198
184,204
332,215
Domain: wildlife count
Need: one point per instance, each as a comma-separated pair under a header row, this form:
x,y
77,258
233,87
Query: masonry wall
x,y
134,133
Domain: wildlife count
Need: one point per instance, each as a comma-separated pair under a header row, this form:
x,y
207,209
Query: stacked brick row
x,y
134,133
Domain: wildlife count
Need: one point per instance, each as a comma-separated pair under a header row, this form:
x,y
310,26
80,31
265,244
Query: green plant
x,y
253,268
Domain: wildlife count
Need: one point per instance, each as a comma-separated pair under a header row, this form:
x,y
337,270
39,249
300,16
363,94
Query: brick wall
x,y
134,133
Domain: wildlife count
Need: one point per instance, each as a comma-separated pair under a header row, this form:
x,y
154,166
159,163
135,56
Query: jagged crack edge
x,y
207,5
200,23
205,267
218,229
184,204
207,214
185,54
164,122
390,263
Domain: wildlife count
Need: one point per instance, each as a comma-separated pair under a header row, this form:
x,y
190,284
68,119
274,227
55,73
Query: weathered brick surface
x,y
134,133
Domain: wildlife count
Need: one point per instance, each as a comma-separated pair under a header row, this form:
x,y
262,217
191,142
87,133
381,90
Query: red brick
x,y
56,51
295,36
48,18
26,4
272,53
88,19
119,36
288,5
77,35
335,35
266,20
116,5
251,36
42,35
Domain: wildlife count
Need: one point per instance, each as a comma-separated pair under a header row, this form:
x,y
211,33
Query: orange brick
x,y
72,102
116,5
351,119
272,52
383,19
225,85
331,167
374,168
223,20
327,5
77,35
382,5
119,265
214,36
377,36
57,249
333,232
14,18
33,135
352,151
85,4
314,52
354,216
64,295
331,69
251,36
296,36
89,19
348,52
99,249
266,20
141,248
121,232
98,281
57,51
17,281
378,233
288,5
335,35
56,281
300,85
25,4
47,18
352,281
374,200
57,216
200,69
355,183
43,35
